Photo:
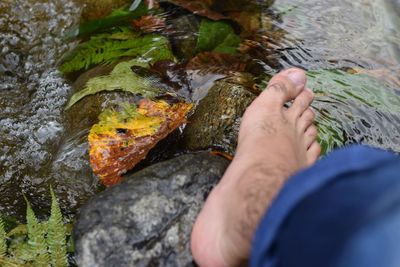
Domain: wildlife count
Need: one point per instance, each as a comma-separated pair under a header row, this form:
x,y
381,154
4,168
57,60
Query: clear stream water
x,y
34,152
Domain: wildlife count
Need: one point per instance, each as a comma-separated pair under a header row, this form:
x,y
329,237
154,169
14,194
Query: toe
x,y
313,153
283,87
301,103
310,135
306,120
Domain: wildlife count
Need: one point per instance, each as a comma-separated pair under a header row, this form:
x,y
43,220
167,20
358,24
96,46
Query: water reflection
x,y
335,34
36,149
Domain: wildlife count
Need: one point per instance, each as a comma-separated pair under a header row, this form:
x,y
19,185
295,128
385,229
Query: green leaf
x,y
118,17
121,78
108,48
21,229
21,251
56,234
346,90
34,243
330,132
3,239
217,36
229,45
5,262
360,88
36,238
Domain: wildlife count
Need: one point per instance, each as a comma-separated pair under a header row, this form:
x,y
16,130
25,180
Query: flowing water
x,y
36,153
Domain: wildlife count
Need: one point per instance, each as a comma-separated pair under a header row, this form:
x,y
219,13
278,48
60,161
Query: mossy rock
x,y
215,124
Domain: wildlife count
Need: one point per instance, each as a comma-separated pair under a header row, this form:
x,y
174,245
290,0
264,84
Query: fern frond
x,y
8,263
21,253
21,229
3,240
108,48
121,78
36,238
57,235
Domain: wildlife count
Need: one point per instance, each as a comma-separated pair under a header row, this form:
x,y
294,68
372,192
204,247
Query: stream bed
x,y
39,147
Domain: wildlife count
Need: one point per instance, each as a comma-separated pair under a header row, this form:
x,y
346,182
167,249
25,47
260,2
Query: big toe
x,y
283,87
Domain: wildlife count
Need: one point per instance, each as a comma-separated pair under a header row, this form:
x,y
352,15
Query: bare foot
x,y
274,143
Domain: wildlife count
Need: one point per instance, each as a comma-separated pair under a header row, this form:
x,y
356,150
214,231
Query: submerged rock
x,y
147,219
183,34
215,124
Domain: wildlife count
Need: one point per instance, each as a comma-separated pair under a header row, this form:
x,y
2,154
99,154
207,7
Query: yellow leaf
x,y
123,138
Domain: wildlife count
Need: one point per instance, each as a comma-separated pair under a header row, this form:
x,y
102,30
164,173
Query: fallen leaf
x,y
222,154
217,36
217,63
150,23
121,78
118,17
248,20
123,138
199,7
383,74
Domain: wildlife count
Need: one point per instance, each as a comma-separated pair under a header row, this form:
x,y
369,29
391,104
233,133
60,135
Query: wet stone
x,y
32,97
183,34
148,218
216,121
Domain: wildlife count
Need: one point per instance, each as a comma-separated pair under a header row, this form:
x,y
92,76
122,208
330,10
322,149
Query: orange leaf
x,y
122,139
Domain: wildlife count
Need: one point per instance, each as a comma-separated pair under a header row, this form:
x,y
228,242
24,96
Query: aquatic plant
x,y
36,243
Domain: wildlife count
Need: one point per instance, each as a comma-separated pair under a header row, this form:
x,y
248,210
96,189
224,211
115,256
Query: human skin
x,y
274,143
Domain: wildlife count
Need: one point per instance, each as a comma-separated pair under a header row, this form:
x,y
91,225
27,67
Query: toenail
x,y
297,76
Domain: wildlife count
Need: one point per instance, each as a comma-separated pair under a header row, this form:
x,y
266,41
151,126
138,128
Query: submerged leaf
x,y
359,88
108,48
345,102
150,23
118,17
217,63
199,7
122,139
121,78
217,36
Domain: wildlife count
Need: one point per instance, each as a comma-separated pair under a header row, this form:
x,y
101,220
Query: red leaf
x,y
117,143
150,23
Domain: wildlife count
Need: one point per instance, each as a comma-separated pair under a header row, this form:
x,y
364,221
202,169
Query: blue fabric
x,y
335,213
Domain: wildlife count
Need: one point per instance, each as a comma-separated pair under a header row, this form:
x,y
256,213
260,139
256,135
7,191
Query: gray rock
x,y
215,124
147,219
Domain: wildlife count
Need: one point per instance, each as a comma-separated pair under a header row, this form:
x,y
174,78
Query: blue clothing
x,y
342,212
